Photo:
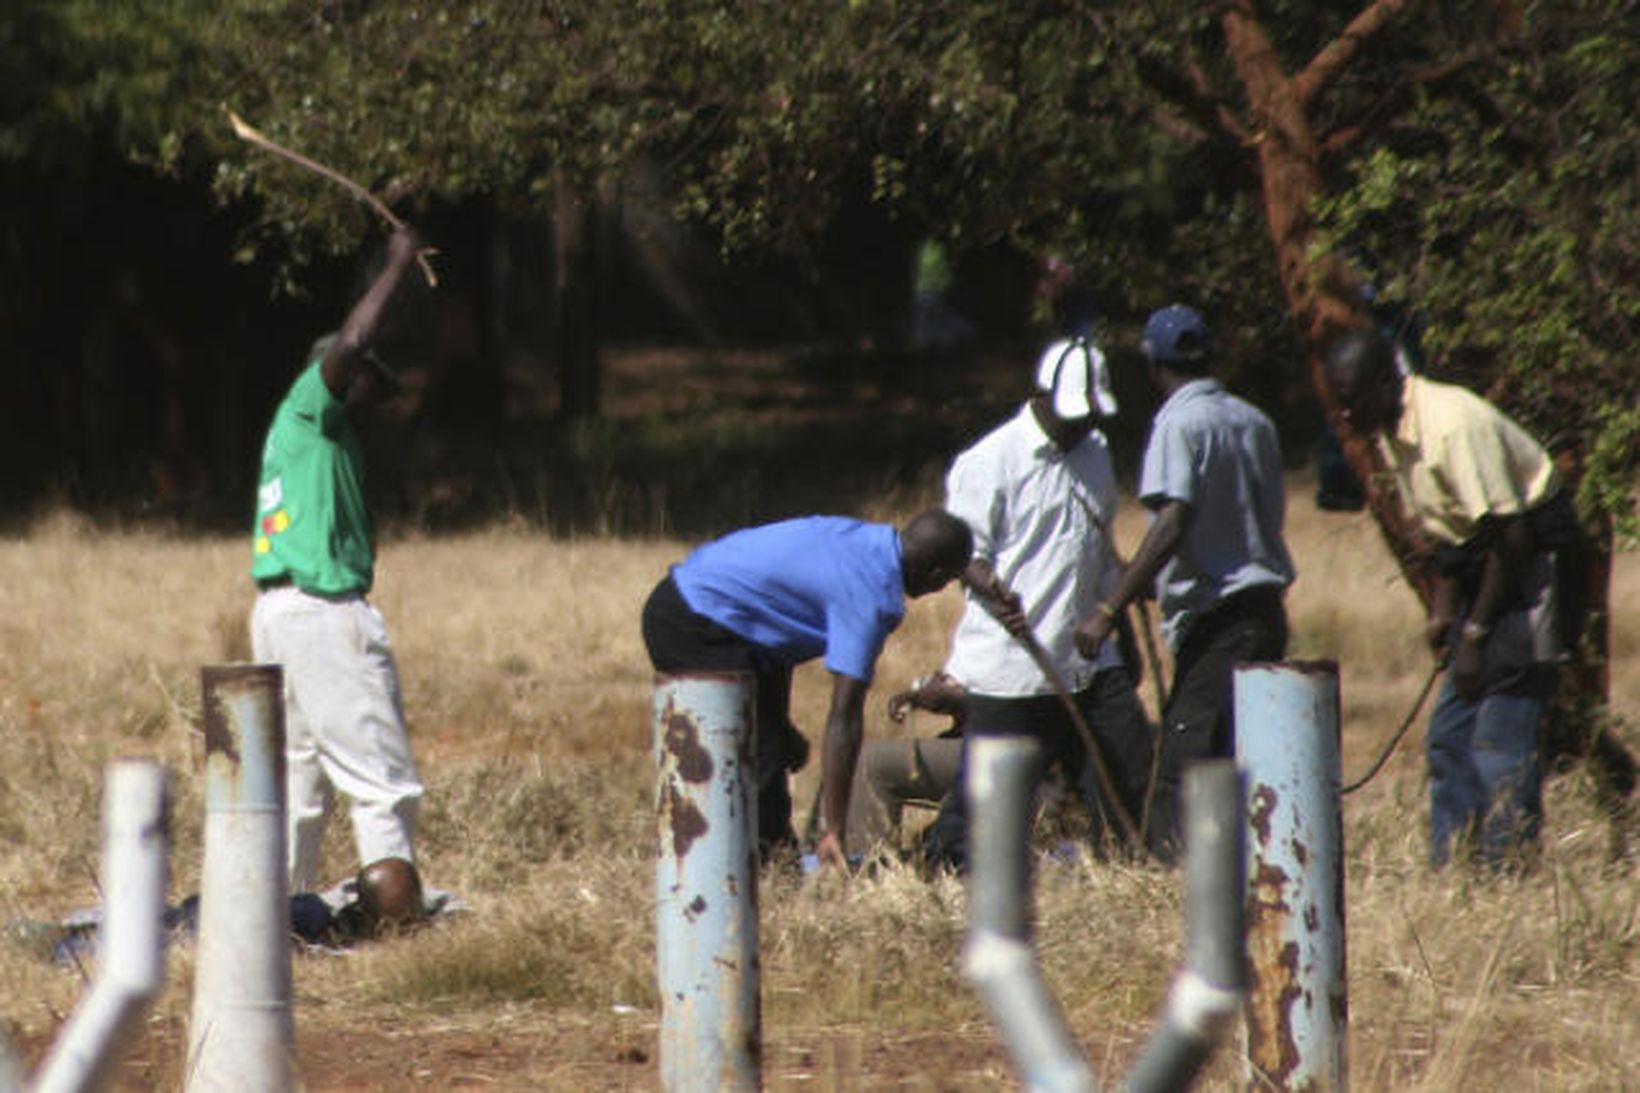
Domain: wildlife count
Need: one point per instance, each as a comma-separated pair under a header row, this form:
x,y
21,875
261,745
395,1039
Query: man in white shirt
x,y
1039,494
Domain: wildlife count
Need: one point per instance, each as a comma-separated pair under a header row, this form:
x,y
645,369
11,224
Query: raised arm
x,y
346,354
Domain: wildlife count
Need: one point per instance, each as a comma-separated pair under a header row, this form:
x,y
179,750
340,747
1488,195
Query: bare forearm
x,y
839,757
1505,562
1160,543
359,329
845,725
362,322
979,576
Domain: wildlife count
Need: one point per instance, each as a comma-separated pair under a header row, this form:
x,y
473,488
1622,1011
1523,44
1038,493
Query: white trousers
x,y
344,725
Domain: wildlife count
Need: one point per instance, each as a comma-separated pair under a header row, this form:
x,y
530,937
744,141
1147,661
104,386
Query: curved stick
x,y
1045,663
1395,740
251,135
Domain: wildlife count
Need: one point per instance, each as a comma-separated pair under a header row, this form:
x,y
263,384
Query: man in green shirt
x,y
313,558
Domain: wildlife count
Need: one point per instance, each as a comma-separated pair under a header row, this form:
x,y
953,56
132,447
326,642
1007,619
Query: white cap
x,y
1074,372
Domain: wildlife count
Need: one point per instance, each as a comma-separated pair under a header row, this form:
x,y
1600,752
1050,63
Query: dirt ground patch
x,y
565,1052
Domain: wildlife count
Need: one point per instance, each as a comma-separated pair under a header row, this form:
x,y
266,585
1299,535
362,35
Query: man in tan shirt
x,y
1486,491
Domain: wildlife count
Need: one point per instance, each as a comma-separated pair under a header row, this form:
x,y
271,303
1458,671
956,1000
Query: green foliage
x,y
1018,124
1497,193
1509,214
1608,478
74,73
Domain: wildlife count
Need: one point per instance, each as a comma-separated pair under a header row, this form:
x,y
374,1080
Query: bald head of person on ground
x,y
390,895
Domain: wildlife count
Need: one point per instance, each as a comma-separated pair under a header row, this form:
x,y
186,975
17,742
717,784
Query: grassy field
x,y
528,693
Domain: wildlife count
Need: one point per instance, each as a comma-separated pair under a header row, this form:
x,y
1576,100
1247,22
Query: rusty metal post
x,y
241,1035
999,959
706,883
1208,992
131,951
1287,742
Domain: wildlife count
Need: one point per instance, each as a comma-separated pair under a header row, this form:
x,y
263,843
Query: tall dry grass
x,y
528,692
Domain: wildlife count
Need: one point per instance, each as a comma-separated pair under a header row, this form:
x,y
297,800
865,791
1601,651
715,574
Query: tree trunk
x,y
575,238
1323,297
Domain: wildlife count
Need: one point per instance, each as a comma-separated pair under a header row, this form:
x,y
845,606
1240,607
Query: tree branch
x,y
1337,54
1399,98
1188,89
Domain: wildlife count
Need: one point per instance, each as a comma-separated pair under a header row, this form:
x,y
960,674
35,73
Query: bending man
x,y
768,598
1483,488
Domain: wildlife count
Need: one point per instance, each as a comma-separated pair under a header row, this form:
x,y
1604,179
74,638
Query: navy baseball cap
x,y
1175,334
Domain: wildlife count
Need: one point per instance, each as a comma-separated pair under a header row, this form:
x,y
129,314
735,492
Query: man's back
x,y
1219,454
803,587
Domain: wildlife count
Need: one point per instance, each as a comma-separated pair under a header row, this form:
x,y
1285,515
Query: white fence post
x,y
1209,990
131,948
999,959
240,1035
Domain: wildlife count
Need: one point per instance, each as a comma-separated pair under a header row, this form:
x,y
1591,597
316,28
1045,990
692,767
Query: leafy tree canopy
x,y
1508,216
1480,152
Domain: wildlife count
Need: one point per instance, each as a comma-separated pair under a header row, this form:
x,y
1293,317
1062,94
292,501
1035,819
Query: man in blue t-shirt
x,y
767,598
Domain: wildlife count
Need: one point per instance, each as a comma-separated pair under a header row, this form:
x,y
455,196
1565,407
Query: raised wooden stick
x,y
251,135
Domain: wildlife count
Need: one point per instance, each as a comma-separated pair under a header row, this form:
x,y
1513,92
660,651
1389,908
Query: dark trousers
x,y
1199,722
1485,781
1110,706
679,640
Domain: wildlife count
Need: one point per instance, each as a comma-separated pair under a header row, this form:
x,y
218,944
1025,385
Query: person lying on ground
x,y
384,899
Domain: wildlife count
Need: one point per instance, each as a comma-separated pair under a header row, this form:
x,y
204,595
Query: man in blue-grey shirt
x,y
767,598
1212,480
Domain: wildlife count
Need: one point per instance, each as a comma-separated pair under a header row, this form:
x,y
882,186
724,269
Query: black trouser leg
x,y
1199,720
679,640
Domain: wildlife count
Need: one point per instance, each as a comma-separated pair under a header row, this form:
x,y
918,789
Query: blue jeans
x,y
1485,779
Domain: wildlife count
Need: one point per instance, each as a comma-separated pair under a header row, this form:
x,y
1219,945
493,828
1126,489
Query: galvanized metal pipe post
x,y
1287,741
241,1035
11,1067
999,959
1209,991
706,883
131,949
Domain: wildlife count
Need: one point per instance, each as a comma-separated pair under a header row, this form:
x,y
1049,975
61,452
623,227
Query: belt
x,y
268,584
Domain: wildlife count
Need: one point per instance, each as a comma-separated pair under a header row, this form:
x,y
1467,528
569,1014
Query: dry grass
x,y
528,691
